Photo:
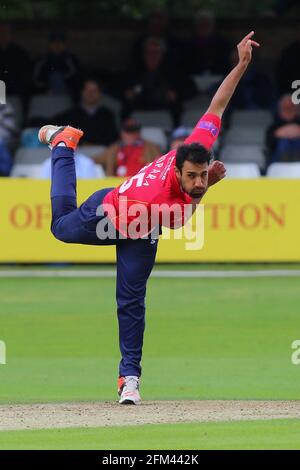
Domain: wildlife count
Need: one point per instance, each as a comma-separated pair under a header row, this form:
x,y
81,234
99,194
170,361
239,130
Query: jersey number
x,y
138,178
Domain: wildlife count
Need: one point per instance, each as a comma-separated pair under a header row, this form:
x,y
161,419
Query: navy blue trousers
x,y
135,258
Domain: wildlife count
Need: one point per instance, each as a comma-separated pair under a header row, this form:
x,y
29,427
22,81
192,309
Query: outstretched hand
x,y
216,172
245,48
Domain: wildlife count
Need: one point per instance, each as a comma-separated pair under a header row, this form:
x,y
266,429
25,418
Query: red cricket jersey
x,y
144,196
130,159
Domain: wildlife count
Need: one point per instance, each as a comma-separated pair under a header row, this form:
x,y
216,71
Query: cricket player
x,y
110,216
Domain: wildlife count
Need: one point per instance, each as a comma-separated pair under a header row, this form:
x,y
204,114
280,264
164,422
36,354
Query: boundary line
x,y
51,273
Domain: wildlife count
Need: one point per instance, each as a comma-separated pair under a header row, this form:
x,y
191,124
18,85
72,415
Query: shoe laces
x,y
131,383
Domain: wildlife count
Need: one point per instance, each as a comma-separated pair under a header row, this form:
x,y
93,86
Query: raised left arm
x,y
227,88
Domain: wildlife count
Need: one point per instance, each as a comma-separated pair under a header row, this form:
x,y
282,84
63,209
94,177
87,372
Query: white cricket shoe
x,y
128,389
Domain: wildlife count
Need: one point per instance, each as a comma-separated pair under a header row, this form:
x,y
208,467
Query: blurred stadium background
x,y
136,76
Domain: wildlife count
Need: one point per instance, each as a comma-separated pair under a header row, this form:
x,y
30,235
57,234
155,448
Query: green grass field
x,y
275,434
205,339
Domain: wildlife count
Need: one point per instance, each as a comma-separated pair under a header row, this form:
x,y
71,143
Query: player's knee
x,y
59,234
125,303
55,232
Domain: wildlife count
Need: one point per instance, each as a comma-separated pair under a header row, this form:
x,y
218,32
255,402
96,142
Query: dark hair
x,y
90,78
194,153
131,125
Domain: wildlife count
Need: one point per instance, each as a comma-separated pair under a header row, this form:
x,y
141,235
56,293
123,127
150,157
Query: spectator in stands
x,y
154,85
58,70
97,121
127,156
8,136
288,66
85,168
178,137
208,51
283,136
158,27
15,65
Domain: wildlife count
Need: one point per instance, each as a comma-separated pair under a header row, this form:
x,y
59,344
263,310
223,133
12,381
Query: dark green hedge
x,y
99,9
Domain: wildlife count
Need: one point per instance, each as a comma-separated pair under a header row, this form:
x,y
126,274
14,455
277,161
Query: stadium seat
x,y
91,150
256,118
20,170
160,119
284,170
17,106
206,81
29,137
197,103
242,170
192,116
47,106
243,154
31,155
155,135
245,135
